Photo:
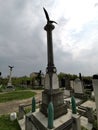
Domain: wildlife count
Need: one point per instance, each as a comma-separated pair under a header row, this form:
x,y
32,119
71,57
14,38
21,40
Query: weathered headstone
x,y
78,86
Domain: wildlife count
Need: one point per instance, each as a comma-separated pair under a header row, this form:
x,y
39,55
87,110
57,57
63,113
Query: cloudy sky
x,y
23,39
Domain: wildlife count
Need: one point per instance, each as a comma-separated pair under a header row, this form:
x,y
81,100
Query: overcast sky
x,y
23,40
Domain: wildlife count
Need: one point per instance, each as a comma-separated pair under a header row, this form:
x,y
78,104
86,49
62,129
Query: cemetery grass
x,y
16,95
6,124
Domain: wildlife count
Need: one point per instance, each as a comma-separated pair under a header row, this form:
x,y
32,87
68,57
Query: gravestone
x,y
79,89
78,86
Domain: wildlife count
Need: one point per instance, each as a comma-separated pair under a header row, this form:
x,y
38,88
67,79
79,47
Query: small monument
x,y
76,118
52,92
10,76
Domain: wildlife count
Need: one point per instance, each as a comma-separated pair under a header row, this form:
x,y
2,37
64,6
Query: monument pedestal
x,y
38,121
58,102
9,84
76,122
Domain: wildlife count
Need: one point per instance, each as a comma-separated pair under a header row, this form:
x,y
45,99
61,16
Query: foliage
x,y
21,80
15,95
95,125
70,76
4,81
88,78
73,76
6,124
16,81
2,87
83,128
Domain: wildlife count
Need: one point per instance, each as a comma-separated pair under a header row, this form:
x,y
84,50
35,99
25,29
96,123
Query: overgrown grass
x,y
15,95
6,124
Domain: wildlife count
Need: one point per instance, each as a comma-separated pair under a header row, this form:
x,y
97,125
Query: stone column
x,y
21,111
51,92
10,82
10,76
51,76
49,27
76,122
28,123
95,86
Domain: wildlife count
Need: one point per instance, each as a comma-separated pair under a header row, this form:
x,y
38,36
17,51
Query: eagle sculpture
x,y
47,17
11,67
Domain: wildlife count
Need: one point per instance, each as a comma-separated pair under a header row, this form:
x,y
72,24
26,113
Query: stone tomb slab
x,y
40,121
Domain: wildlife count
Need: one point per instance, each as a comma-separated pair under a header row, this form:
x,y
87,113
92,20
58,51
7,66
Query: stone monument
x,y
10,76
76,117
95,86
52,92
78,86
52,113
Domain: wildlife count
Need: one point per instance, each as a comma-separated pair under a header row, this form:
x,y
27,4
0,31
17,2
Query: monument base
x,y
58,102
9,84
38,121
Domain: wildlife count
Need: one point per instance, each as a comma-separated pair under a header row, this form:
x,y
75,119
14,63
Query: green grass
x,y
15,95
22,88
6,124
83,128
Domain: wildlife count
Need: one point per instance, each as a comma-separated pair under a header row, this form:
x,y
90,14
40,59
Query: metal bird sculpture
x,y
11,67
47,17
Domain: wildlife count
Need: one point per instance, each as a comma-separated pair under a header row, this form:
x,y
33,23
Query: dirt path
x,y
12,106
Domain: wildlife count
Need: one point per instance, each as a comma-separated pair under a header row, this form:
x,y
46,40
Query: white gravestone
x,y
72,84
78,86
67,92
13,116
55,84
